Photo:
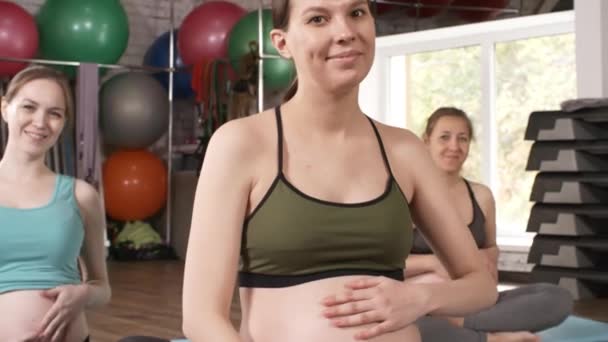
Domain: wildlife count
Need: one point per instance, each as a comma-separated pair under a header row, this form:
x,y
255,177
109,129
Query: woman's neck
x,y
325,113
20,167
453,178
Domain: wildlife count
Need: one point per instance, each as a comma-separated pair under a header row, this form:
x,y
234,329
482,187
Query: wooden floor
x,y
146,300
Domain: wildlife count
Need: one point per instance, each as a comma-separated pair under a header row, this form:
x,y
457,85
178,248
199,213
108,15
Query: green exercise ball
x,y
278,72
95,31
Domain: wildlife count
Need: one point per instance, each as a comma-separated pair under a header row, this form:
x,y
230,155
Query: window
x,y
531,74
498,72
446,78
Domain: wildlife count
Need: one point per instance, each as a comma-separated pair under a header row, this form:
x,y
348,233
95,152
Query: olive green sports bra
x,y
291,238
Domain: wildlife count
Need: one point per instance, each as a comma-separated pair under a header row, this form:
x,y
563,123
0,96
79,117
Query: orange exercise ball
x,y
135,185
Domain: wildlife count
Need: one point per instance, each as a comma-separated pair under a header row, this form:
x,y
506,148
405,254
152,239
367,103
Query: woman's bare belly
x,y
22,313
294,314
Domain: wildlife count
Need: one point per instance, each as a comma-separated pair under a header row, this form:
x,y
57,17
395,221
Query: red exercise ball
x,y
135,185
204,32
475,16
18,37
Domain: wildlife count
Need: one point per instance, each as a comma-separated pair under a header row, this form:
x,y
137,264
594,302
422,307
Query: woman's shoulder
x,y
409,159
82,190
244,136
240,148
86,194
399,140
482,193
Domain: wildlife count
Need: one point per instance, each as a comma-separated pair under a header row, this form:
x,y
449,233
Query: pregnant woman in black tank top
x,y
519,312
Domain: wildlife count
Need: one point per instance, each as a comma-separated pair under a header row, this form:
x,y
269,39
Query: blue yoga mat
x,y
576,329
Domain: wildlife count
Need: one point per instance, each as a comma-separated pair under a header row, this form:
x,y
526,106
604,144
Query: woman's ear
x,y
279,41
3,106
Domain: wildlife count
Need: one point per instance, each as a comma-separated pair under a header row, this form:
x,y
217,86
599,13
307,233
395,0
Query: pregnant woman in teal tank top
x,y
309,205
47,220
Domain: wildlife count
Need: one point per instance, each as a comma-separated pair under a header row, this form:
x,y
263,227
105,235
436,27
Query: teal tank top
x,y
39,247
292,238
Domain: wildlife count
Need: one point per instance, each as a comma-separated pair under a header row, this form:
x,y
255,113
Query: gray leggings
x,y
528,308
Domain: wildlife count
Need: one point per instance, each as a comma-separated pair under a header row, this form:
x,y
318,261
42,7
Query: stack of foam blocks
x,y
570,191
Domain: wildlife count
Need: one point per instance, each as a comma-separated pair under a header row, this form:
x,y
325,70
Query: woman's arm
x,y
93,252
418,264
490,250
472,288
215,235
490,258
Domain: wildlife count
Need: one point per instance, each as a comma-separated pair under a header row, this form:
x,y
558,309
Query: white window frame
x,y
375,91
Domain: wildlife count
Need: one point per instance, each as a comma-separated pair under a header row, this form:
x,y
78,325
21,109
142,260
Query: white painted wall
x,y
591,47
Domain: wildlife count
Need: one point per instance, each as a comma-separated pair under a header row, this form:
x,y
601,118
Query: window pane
x,y
446,78
532,74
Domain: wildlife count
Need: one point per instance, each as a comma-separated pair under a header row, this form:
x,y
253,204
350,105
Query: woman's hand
x,y
69,302
390,304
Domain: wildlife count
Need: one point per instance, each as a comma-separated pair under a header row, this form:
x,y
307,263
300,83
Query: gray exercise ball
x,y
134,110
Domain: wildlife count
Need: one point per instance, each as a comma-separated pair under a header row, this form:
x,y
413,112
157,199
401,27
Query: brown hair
x,y
447,111
37,72
280,20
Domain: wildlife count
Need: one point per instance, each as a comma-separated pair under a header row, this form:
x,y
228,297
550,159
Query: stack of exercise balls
x,y
133,114
134,106
18,37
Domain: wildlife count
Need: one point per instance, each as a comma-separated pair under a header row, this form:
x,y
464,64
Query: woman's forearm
x,y
462,296
490,254
98,293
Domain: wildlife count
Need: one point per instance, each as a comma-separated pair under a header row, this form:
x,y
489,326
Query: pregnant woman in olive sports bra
x,y
47,221
311,205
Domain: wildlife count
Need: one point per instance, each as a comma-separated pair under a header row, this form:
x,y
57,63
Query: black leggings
x,y
528,308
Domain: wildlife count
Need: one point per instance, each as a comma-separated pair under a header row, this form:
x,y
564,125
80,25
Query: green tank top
x,y
292,238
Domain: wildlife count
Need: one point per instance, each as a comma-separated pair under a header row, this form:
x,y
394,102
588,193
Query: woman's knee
x,y
558,299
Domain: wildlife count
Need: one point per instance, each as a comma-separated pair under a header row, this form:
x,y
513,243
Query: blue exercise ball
x,y
158,56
